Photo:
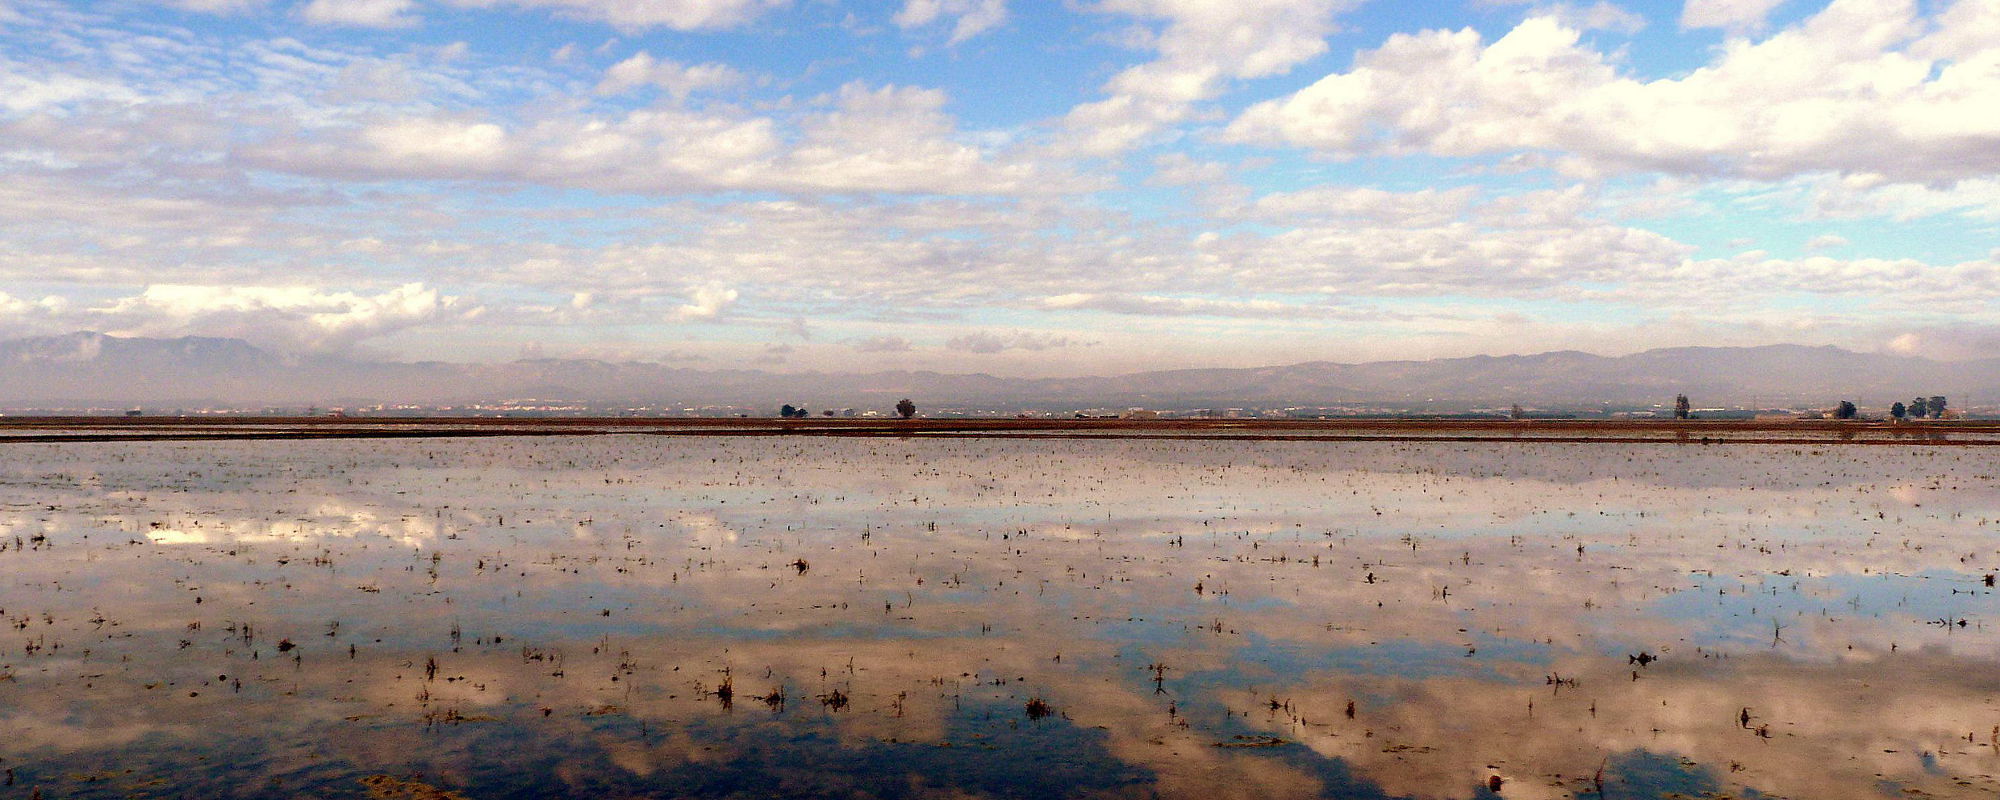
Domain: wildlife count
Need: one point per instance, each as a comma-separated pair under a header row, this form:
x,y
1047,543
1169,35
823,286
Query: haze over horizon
x,y
1002,187
95,370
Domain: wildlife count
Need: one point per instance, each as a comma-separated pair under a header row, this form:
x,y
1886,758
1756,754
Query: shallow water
x,y
712,617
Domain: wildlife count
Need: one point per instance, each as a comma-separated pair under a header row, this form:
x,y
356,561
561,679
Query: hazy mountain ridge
x,y
95,369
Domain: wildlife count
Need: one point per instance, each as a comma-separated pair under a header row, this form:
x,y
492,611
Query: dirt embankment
x,y
101,429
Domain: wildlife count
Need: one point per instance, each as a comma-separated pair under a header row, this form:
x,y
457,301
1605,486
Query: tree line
x,y
1919,408
904,408
1932,407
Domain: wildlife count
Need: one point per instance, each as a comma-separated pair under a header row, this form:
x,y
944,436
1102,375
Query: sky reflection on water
x,y
560,616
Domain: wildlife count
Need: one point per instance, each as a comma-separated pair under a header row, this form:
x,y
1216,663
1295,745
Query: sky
x,y
1002,186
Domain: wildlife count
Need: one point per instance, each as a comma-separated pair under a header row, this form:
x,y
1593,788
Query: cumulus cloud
x,y
22,93
1201,47
1179,169
19,315
360,13
1602,15
1412,209
295,316
1850,196
161,161
206,6
1598,16
1302,259
706,303
1356,257
639,15
973,17
1864,86
871,138
1730,14
676,79
431,143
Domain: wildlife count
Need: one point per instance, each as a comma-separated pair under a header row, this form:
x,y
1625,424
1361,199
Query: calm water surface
x,y
635,616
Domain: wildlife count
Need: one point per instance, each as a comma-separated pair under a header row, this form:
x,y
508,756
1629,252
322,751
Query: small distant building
x,y
135,413
1139,413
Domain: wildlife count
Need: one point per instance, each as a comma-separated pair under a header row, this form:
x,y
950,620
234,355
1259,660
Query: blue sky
x,y
1002,186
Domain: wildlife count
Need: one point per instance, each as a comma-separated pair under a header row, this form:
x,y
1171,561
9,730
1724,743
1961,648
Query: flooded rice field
x,y
656,616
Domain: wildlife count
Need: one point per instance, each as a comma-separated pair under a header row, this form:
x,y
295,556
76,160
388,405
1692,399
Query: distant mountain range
x,y
93,369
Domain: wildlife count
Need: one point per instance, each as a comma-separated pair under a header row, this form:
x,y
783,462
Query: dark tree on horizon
x,y
1681,406
1898,410
1920,408
905,408
1937,406
1845,410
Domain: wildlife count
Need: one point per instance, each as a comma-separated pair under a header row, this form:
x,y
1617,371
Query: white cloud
x,y
1734,15
21,93
974,17
1164,306
210,162
1202,46
639,15
1851,196
1826,241
887,138
912,260
1599,16
360,13
1947,342
707,302
1178,169
1966,32
1860,87
983,342
918,13
676,79
1422,207
1489,256
212,6
14,310
438,142
291,316
23,317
